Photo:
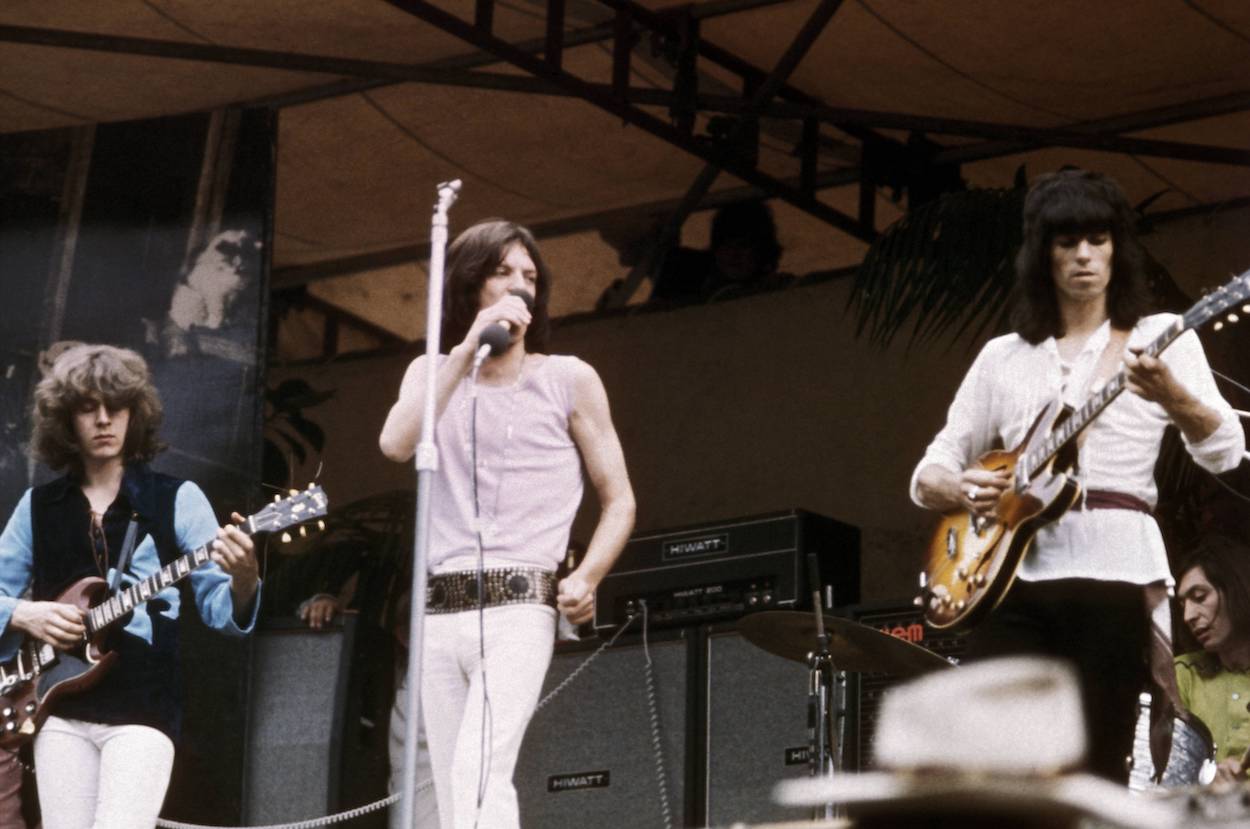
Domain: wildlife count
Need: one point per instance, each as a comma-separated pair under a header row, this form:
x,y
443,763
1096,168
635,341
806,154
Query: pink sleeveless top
x,y
529,472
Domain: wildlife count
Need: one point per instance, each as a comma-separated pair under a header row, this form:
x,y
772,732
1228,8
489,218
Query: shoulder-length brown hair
x,y
1076,201
471,258
117,376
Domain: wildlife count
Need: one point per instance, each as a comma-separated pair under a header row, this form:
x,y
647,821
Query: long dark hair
x,y
471,258
1079,202
1226,564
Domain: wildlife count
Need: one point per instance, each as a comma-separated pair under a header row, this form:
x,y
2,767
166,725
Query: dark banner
x,y
152,235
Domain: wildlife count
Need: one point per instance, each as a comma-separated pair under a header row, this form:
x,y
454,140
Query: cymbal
x,y
852,646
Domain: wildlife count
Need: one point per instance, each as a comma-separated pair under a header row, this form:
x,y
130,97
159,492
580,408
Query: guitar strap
x,y
128,547
1108,361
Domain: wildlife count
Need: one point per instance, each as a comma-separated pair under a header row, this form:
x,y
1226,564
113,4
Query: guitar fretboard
x,y
124,601
1101,399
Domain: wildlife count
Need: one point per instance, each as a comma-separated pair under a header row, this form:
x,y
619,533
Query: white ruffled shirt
x,y
1007,386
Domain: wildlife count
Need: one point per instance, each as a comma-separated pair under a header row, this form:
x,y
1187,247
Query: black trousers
x,y
1101,628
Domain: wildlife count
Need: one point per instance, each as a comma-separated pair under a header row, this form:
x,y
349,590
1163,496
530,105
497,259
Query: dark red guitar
x,y
40,674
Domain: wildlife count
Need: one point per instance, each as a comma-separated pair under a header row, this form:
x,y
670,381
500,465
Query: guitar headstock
x,y
298,507
1233,296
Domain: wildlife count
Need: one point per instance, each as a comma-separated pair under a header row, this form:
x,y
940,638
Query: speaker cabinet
x,y
588,758
756,729
295,720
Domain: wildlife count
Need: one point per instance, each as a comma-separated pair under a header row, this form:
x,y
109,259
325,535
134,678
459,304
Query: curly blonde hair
x,y
117,376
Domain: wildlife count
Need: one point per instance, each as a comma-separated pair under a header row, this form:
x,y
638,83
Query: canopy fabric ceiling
x,y
360,153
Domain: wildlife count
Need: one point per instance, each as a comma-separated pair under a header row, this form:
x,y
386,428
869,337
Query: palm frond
x,y
947,264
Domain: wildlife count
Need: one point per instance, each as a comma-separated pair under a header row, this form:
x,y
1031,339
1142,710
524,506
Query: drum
x,y
1191,761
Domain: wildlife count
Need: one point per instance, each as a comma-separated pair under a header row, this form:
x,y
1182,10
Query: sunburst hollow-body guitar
x,y
972,560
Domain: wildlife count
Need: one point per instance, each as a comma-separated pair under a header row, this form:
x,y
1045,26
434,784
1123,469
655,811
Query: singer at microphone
x,y
512,449
496,338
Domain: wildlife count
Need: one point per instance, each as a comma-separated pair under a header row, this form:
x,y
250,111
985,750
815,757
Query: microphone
x,y
496,338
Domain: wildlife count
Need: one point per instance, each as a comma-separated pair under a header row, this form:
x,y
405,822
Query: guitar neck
x,y
1067,431
123,601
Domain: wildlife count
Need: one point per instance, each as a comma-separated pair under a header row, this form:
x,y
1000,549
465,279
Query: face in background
x,y
515,270
1081,265
101,431
1203,611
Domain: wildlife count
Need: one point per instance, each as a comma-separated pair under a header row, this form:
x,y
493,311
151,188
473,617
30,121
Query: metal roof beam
x,y
659,128
289,276
1006,138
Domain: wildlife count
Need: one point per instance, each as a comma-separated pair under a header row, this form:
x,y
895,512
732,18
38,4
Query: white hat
x,y
997,737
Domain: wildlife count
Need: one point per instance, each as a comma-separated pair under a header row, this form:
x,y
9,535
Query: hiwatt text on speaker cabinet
x,y
589,760
755,710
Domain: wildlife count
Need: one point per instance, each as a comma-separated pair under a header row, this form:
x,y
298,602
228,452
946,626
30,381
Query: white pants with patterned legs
x,y
101,776
518,644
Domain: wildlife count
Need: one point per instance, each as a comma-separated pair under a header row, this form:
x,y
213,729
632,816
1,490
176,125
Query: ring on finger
x,y
973,491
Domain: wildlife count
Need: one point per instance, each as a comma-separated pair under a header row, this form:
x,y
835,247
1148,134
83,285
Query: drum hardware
x,y
1190,762
840,646
854,647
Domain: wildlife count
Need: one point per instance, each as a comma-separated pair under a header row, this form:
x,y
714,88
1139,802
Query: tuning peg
x,y
321,525
1232,317
1219,326
1245,309
292,492
312,485
303,531
286,538
277,497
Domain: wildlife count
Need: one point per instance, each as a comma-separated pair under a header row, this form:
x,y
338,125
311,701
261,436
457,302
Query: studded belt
x,y
457,591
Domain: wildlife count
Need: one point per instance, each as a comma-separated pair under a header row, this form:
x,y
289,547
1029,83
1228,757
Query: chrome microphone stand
x,y
427,465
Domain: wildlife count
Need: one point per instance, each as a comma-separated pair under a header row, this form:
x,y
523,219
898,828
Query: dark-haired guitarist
x,y
1081,593
103,757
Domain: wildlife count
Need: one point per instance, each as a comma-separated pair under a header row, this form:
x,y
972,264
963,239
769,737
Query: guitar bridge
x,y
952,542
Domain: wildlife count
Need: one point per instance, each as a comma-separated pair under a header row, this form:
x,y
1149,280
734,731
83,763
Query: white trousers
x,y
94,776
518,645
425,808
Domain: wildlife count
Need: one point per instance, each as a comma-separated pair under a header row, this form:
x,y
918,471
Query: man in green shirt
x,y
1214,683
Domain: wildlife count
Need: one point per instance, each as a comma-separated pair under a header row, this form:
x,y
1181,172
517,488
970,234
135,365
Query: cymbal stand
x,y
826,694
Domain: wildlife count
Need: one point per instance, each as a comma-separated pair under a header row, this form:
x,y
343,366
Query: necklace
x,y
486,520
99,543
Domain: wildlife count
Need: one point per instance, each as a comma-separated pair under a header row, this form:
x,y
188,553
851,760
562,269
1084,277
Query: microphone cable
x,y
487,725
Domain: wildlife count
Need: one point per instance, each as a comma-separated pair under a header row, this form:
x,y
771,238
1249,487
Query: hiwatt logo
x,y
578,780
798,756
703,545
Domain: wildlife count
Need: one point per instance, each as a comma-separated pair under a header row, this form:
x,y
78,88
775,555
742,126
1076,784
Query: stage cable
x,y
1244,415
653,709
487,724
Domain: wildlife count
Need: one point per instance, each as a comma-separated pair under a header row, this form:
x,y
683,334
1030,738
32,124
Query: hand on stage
x,y
980,489
57,623
576,599
319,611
1230,771
235,555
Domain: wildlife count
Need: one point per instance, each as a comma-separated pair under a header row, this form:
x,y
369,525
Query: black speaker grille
x,y
587,759
756,722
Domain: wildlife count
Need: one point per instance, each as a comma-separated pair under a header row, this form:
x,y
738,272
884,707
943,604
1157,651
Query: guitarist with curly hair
x,y
1083,589
103,757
